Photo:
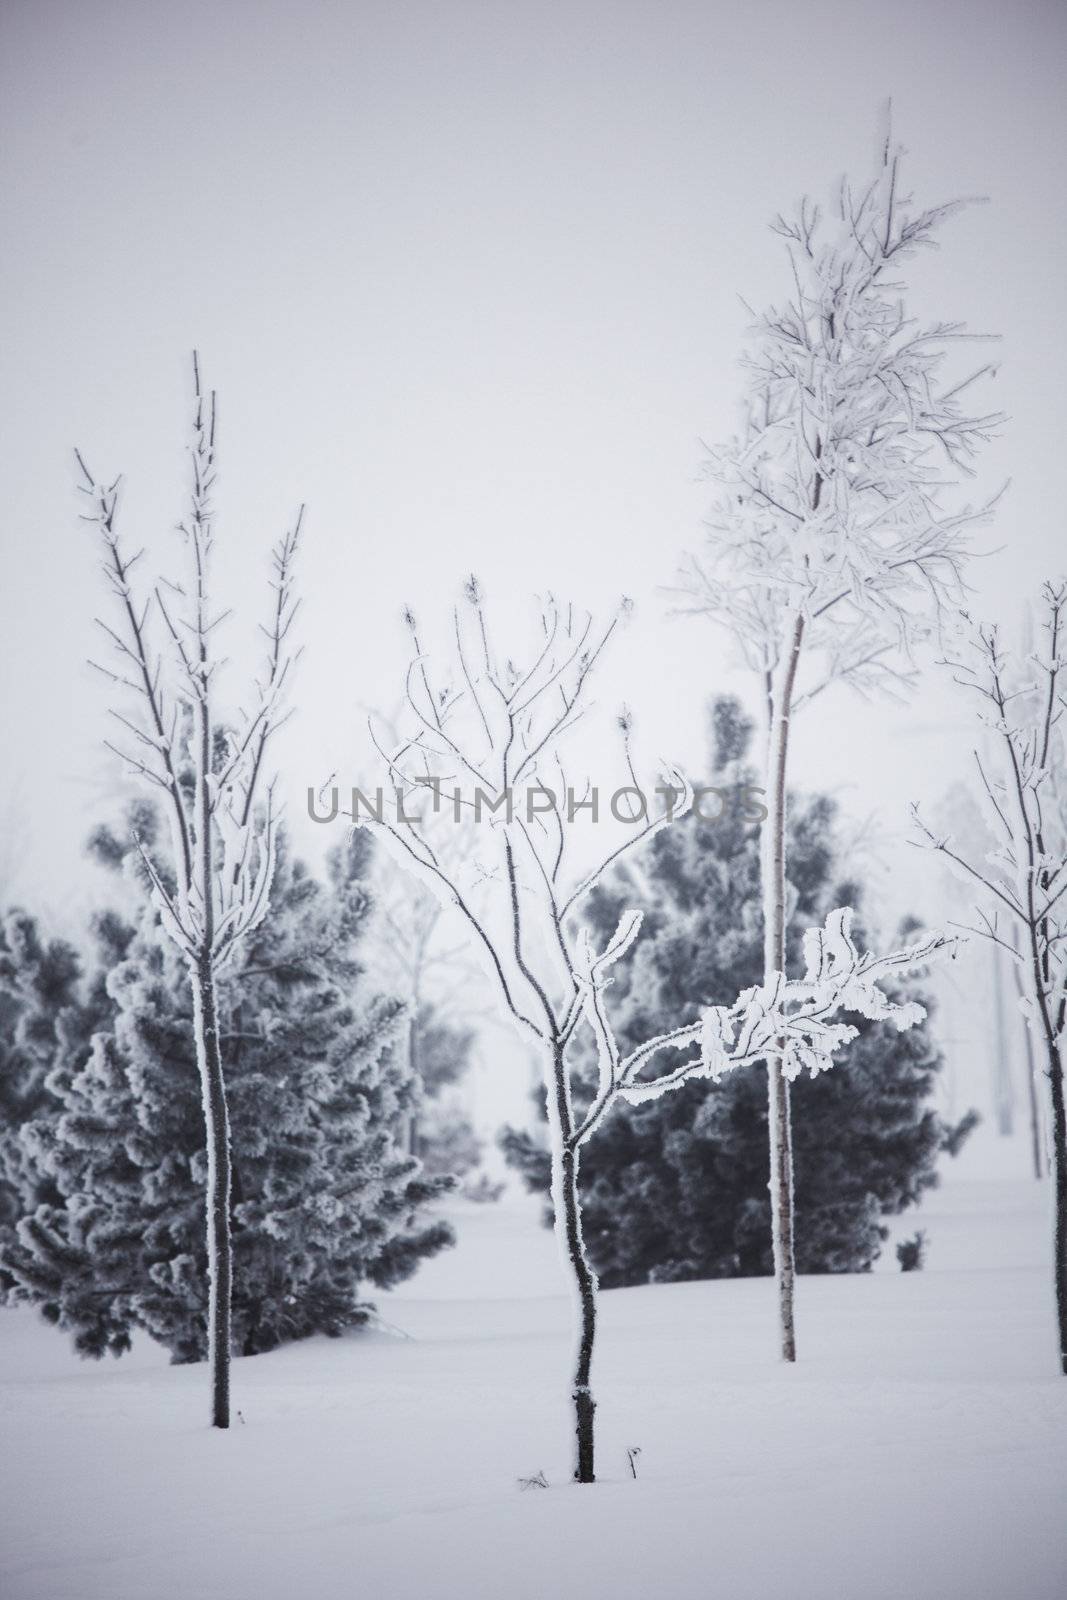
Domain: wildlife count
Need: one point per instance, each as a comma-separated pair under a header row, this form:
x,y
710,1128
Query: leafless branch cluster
x,y
488,734
831,500
491,724
1021,883
208,775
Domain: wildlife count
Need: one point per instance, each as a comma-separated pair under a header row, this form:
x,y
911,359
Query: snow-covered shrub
x,y
911,1253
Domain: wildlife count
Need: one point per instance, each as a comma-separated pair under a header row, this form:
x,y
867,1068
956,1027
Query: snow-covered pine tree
x,y
831,550
325,1198
677,1189
39,985
212,884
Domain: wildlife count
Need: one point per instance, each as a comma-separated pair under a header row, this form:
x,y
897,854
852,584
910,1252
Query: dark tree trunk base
x,y
1059,1178
584,1407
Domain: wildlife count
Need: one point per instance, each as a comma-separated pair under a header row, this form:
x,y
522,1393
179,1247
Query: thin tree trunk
x,y
1003,1095
1040,933
209,1060
1059,1176
585,1293
1034,1107
1052,1025
1031,1076
772,871
412,1130
568,1230
217,1131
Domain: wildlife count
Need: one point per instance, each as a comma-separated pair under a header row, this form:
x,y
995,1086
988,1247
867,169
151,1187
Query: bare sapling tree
x,y
1003,1086
960,813
1037,1156
210,777
1021,883
831,549
421,955
417,963
499,730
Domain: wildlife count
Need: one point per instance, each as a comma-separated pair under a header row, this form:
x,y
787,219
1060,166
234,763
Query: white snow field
x,y
918,1451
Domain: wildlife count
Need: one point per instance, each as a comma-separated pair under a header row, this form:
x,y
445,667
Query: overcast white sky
x,y
466,277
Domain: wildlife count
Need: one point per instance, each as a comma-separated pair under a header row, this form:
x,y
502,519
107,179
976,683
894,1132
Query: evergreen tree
x,y
41,1012
677,1188
324,1200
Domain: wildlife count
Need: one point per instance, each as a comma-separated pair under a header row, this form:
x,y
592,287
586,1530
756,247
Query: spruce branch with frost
x,y
1020,884
213,888
489,726
838,978
836,543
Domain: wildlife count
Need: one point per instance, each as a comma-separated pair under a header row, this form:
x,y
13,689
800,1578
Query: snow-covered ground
x,y
918,1451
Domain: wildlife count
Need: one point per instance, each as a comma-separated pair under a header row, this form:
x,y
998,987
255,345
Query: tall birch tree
x,y
832,546
212,887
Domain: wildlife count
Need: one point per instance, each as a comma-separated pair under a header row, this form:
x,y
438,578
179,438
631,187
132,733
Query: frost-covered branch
x,y
1019,700
831,500
838,979
223,799
475,752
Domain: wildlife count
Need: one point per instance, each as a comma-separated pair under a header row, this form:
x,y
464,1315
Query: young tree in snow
x,y
1037,1156
418,956
499,729
960,813
677,1189
215,887
1022,881
830,547
325,1199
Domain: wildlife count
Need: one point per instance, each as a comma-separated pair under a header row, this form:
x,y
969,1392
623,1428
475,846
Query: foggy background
x,y
467,277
